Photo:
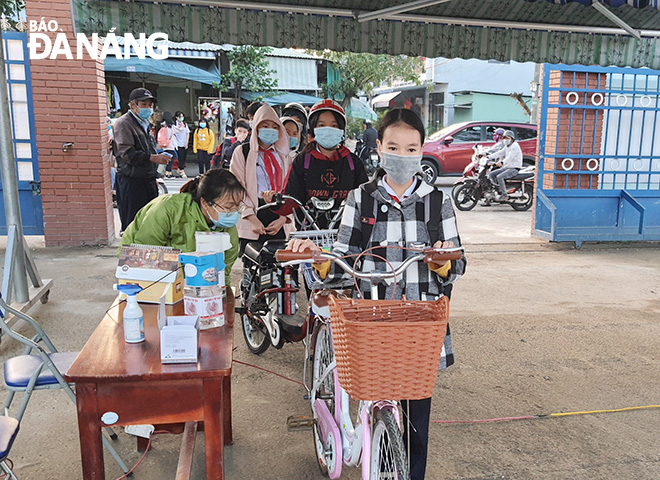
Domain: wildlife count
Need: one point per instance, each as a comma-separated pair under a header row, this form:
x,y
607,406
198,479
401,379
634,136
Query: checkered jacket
x,y
399,224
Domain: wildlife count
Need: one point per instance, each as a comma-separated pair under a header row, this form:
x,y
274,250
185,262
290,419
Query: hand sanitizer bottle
x,y
133,316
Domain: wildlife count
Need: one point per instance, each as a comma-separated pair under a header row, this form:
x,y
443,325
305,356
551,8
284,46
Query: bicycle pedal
x,y
299,423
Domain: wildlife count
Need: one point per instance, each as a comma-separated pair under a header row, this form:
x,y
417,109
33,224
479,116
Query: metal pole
x,y
10,185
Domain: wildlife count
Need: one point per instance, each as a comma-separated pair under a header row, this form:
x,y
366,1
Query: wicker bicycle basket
x,y
388,349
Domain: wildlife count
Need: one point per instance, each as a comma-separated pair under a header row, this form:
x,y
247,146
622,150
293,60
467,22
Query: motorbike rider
x,y
511,162
369,136
325,168
498,138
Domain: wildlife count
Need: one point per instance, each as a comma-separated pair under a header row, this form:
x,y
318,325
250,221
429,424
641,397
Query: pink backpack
x,y
163,138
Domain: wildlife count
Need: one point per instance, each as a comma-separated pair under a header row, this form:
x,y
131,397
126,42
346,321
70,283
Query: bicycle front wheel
x,y
324,356
388,455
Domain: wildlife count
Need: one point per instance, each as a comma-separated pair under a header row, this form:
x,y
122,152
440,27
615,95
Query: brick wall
x,y
70,106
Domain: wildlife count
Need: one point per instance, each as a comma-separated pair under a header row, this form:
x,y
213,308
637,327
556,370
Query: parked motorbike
x,y
269,313
475,185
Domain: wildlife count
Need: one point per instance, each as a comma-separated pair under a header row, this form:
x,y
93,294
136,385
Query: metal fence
x,y
599,154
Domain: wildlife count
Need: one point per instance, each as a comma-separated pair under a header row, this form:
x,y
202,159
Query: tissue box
x,y
179,337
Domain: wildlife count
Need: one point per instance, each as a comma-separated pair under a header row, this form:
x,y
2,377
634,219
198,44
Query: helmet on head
x,y
295,110
367,122
498,134
509,134
327,106
290,119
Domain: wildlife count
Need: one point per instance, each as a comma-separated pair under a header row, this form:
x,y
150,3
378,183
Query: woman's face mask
x,y
400,168
225,219
328,137
508,141
293,143
202,124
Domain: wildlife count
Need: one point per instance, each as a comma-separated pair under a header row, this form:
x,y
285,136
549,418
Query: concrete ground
x,y
538,328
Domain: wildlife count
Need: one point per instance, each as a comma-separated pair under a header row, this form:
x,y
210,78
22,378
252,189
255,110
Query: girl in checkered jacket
x,y
397,208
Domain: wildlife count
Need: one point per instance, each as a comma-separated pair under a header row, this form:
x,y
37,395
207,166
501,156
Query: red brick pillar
x,y
70,106
579,134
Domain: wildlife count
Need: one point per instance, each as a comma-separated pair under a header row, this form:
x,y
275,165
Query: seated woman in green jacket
x,y
213,200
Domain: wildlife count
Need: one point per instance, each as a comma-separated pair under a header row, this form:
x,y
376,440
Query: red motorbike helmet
x,y
498,134
327,106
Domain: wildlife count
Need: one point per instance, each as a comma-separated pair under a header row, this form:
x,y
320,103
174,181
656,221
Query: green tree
x,y
11,9
362,72
248,72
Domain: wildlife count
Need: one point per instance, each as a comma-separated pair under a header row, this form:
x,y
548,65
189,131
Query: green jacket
x,y
172,220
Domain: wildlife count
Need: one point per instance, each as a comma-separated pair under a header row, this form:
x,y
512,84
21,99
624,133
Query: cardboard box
x,y
179,337
173,291
155,269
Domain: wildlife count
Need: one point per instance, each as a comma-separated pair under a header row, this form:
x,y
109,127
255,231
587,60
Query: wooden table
x,y
130,380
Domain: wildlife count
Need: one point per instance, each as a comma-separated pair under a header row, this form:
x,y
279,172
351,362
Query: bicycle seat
x,y
252,250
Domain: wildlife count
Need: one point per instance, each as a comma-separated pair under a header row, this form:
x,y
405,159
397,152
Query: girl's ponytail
x,y
191,186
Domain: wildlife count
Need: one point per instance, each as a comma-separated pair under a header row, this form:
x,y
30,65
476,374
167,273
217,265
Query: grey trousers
x,y
500,175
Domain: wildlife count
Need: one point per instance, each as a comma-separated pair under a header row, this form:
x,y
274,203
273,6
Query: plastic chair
x,y
8,432
39,368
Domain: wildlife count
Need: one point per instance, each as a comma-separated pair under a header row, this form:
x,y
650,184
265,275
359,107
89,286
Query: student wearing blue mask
x,y
325,168
261,166
211,202
294,130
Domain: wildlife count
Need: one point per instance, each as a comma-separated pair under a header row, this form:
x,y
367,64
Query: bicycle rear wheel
x,y
388,454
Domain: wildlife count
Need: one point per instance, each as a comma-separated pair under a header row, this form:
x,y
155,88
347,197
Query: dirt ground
x,y
538,328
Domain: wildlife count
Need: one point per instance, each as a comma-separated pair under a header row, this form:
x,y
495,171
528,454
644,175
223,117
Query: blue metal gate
x,y
599,154
19,85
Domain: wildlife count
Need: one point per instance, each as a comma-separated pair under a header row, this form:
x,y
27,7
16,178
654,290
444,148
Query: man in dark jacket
x,y
370,135
135,151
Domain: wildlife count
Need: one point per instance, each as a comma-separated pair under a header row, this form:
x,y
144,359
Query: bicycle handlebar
x,y
435,255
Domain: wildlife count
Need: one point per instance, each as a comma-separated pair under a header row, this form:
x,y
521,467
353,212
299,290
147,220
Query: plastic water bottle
x,y
133,315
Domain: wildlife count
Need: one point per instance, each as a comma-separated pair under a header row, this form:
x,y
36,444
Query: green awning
x,y
558,31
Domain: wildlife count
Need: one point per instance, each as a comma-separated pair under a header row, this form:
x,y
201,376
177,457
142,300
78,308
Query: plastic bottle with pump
x,y
133,316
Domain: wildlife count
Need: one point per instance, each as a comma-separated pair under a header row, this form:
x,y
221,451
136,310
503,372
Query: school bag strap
x,y
367,212
433,211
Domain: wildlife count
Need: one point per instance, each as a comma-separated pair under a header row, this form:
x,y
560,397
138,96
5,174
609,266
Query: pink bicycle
x,y
349,343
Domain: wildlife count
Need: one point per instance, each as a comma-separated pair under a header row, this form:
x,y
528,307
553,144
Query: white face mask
x,y
400,168
508,141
